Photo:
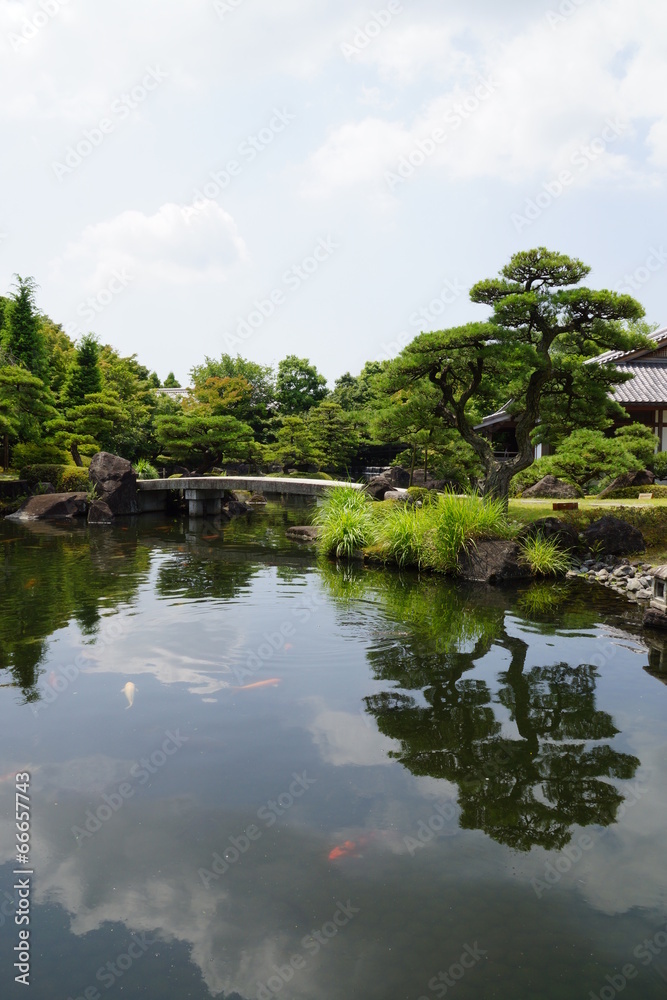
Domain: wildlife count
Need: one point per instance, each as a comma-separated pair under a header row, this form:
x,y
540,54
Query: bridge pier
x,y
202,503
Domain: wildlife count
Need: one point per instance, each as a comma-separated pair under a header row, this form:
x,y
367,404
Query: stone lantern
x,y
659,599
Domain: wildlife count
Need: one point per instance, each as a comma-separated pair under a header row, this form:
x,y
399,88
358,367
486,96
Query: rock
x,y
378,486
235,508
100,513
552,527
633,586
642,478
653,618
397,495
624,570
646,594
549,487
614,536
493,561
44,488
115,481
257,498
51,506
398,476
602,575
303,533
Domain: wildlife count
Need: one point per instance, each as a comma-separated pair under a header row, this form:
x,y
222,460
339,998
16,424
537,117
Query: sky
x,y
324,178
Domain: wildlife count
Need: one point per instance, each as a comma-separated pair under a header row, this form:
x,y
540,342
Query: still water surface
x,y
443,791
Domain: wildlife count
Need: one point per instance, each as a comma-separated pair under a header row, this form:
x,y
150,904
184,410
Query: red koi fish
x,y
350,848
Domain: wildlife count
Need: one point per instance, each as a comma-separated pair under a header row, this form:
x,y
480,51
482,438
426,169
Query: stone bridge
x,y
206,494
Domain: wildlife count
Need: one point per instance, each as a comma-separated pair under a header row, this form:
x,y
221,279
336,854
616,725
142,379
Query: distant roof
x,y
649,384
659,338
176,393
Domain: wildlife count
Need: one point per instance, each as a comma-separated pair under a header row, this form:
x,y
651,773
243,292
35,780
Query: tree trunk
x,y
425,464
5,460
75,454
412,463
497,482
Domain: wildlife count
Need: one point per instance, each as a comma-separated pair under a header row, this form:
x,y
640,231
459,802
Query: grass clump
x,y
544,556
404,535
347,522
145,470
458,521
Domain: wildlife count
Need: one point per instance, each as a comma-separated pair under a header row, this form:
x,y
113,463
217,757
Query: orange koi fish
x,y
350,848
260,684
29,584
210,538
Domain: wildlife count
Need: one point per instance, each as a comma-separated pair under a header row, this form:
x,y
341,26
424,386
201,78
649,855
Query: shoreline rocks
x,y
51,506
633,580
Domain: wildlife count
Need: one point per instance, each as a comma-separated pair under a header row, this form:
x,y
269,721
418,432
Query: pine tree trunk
x,y
74,451
5,460
425,464
412,463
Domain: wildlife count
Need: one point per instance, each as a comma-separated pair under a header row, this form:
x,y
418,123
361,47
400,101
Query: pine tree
x,y
21,333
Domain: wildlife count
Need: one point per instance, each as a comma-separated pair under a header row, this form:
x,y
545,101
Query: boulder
x,y
642,478
566,536
115,481
612,536
398,476
234,508
551,488
51,506
303,533
378,486
100,513
396,495
654,618
493,561
45,488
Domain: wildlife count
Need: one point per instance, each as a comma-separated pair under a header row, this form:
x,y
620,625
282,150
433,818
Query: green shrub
x,y
145,470
632,492
74,480
544,556
346,520
658,464
38,453
43,474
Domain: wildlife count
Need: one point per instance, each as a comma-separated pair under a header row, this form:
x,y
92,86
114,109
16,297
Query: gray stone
x,y
551,488
646,594
303,533
100,513
51,506
633,586
653,618
398,476
235,508
43,488
642,478
378,487
614,536
552,527
493,561
115,481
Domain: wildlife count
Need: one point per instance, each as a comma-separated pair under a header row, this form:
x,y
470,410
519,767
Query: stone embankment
x,y
633,579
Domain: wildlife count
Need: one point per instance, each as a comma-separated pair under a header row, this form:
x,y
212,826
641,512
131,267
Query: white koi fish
x,y
128,691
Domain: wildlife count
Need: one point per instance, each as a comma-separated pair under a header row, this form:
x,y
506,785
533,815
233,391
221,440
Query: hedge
x,y
64,478
632,492
74,481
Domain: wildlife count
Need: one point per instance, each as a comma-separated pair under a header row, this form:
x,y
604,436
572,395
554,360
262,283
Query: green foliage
x,y
355,393
259,403
21,334
74,480
44,473
171,382
458,521
84,376
295,445
346,520
334,431
639,440
404,535
299,386
145,470
39,452
658,465
544,556
632,492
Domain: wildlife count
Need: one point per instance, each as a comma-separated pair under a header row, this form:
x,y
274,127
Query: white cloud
x,y
174,245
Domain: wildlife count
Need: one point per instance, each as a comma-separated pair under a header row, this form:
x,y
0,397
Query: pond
x,y
253,774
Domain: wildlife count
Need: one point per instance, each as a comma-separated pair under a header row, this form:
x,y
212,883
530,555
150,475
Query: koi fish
x,y
210,538
52,678
260,684
128,691
29,584
350,848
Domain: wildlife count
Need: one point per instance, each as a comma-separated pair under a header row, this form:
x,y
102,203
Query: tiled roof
x,y
659,336
649,384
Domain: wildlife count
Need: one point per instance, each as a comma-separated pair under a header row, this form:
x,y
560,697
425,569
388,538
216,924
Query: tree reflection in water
x,y
530,751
